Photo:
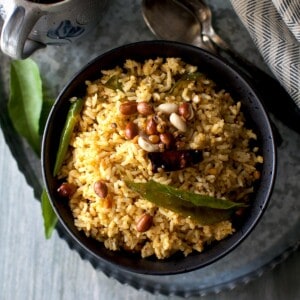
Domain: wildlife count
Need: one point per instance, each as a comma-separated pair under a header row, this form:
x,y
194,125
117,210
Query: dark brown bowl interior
x,y
222,74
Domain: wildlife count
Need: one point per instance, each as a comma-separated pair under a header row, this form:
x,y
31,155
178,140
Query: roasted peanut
x,y
151,126
167,108
166,138
147,145
144,108
186,111
144,223
100,188
66,189
178,122
131,130
128,108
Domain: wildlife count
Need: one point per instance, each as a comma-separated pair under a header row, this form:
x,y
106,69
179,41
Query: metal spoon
x,y
202,12
174,20
170,21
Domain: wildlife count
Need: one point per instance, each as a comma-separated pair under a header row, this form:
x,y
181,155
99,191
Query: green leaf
x,y
183,81
201,200
46,107
203,209
65,137
28,112
50,218
113,83
25,100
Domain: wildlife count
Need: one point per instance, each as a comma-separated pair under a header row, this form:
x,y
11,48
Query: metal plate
x,y
272,240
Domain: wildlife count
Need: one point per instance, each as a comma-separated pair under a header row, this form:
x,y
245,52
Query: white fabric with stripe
x,y
274,26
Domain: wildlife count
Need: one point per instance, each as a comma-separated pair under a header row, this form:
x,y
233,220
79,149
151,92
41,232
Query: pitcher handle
x,y
15,32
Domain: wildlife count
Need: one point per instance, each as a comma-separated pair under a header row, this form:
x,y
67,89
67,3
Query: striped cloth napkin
x,y
274,26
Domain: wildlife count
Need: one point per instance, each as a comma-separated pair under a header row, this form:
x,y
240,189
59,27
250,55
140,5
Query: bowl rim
x,y
238,237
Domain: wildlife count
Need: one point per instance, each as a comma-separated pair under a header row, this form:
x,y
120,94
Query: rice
x,y
99,150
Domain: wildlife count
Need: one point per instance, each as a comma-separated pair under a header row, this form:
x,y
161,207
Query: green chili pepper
x,y
65,138
203,209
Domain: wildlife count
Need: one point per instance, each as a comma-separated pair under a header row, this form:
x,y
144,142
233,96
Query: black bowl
x,y
222,74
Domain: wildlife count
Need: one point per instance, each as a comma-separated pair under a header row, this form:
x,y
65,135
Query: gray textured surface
x,y
34,268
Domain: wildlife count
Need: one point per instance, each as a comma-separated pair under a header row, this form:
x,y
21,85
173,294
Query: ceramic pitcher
x,y
33,24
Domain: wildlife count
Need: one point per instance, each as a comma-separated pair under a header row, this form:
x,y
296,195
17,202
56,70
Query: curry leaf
x,y
202,208
28,112
201,200
50,218
113,83
25,100
184,80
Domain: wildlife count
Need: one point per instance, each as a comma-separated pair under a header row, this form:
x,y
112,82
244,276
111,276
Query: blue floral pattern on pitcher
x,y
65,30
